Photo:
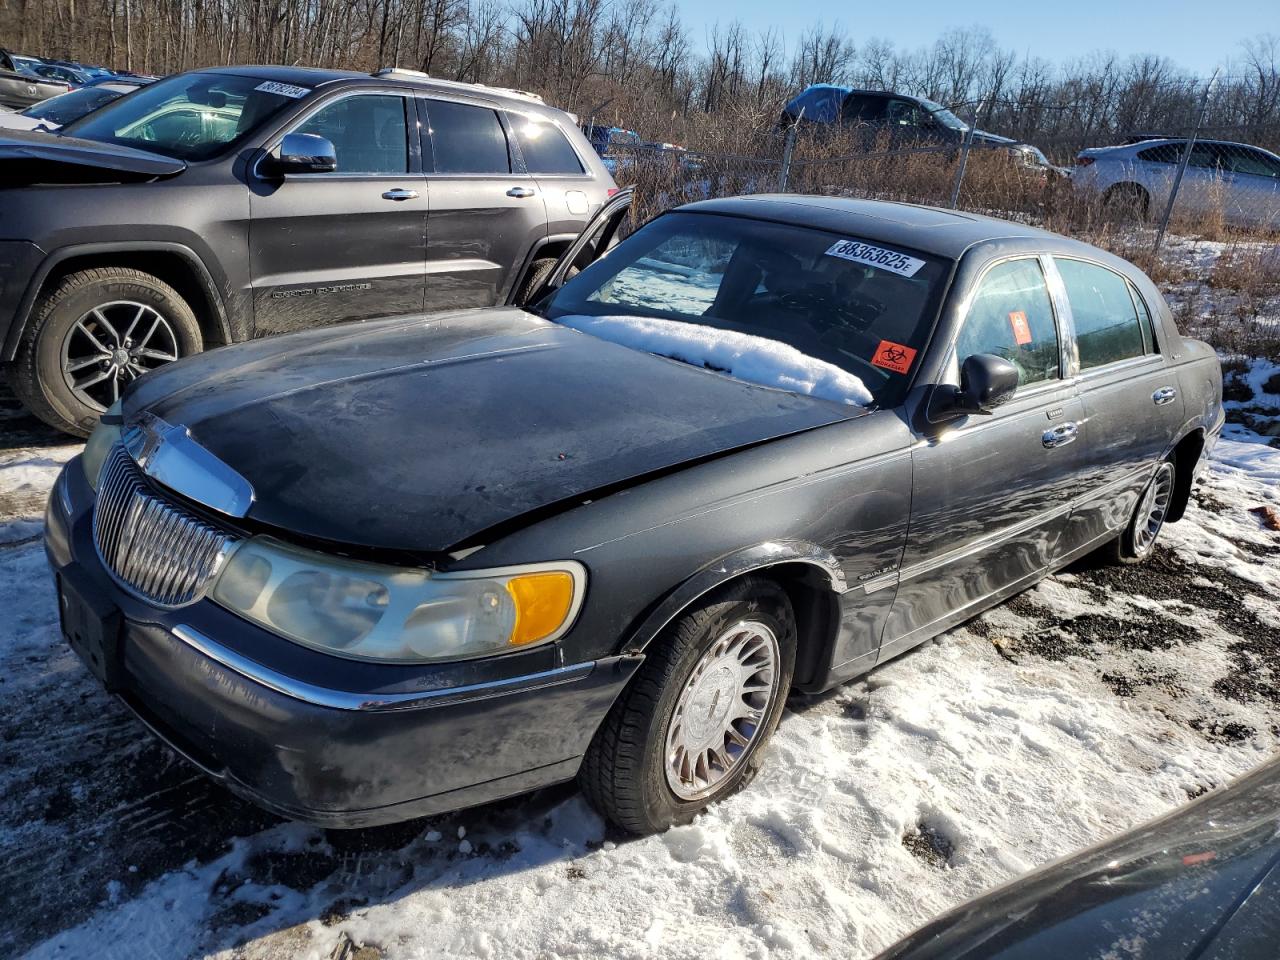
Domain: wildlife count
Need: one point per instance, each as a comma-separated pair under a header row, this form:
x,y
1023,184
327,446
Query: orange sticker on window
x,y
893,356
1021,329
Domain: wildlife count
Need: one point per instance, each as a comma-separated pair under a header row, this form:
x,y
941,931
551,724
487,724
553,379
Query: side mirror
x,y
986,381
304,153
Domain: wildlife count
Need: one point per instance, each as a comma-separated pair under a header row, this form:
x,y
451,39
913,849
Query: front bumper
x,y
325,740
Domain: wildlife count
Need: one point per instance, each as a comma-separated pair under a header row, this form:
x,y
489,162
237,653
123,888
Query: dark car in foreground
x,y
225,204
1202,883
380,571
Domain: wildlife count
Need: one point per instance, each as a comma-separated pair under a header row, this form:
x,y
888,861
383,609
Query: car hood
x,y
16,121
424,435
35,156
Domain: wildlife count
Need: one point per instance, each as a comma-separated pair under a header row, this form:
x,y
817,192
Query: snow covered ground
x,y
1095,701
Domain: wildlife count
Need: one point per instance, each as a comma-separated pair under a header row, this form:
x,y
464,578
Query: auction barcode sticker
x,y
284,89
859,252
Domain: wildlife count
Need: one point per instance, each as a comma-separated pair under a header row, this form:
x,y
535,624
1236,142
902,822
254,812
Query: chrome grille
x,y
154,547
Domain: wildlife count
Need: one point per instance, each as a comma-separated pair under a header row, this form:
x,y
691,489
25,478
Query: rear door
x,y
487,212
991,494
569,193
1131,404
346,245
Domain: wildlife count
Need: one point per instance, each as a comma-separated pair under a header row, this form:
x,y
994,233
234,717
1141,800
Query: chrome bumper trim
x,y
374,703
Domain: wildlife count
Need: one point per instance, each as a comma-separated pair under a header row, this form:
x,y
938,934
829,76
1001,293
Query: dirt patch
x,y
930,845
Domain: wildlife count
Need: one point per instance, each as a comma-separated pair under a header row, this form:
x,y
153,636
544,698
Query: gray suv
x,y
225,204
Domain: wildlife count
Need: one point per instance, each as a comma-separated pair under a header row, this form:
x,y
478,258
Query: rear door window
x,y
1012,317
544,147
1107,325
466,138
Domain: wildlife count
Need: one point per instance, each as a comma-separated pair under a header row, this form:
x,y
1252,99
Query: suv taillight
x,y
1083,161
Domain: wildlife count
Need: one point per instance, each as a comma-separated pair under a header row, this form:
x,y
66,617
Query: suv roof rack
x,y
458,84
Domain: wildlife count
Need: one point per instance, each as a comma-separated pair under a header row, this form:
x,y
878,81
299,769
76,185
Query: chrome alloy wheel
x,y
111,345
1152,509
721,708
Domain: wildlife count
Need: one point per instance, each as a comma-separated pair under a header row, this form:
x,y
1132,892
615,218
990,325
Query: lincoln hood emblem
x,y
171,456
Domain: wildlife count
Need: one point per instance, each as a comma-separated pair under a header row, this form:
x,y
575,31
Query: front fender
x,y
747,560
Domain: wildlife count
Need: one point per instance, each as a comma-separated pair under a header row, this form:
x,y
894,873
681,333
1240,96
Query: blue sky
x,y
1195,35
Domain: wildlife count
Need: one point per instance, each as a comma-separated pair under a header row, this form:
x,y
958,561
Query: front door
x,y
991,494
346,245
486,212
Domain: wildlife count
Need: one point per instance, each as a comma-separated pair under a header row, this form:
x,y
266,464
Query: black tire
x,y
1127,201
1138,540
538,272
624,772
37,373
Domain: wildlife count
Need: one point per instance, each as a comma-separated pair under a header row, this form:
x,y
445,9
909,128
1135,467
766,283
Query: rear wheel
x,y
689,729
1127,201
539,270
91,335
1138,540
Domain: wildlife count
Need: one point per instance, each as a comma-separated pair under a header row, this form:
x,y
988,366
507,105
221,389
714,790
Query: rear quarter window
x,y
544,147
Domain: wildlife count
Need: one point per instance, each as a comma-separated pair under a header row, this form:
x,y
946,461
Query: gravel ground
x,y
1100,698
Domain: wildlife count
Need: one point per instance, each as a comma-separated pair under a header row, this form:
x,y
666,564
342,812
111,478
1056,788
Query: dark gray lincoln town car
x,y
378,571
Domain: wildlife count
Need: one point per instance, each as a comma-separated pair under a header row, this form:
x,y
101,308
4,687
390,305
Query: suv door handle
x,y
1164,395
520,192
1060,435
400,193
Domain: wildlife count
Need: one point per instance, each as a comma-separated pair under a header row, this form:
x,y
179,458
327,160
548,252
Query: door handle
x,y
400,193
1060,435
1164,395
520,192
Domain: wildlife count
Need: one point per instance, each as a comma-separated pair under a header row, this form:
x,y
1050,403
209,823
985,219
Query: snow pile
x,y
742,356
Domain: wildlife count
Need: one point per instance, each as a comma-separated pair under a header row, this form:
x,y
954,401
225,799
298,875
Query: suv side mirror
x,y
986,381
304,153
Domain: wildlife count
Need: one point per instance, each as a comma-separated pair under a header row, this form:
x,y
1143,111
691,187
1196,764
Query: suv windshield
x,y
193,116
857,305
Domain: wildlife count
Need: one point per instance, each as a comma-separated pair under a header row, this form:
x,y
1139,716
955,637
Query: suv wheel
x,y
539,270
689,728
93,334
1139,537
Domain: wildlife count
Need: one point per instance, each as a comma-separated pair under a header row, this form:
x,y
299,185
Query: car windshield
x,y
193,116
72,106
837,304
945,116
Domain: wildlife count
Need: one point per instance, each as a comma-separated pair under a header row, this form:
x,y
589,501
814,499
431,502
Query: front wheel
x,y
95,332
689,728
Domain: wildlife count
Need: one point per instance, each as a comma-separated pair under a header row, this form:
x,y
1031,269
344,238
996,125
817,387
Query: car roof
x,y
1160,141
316,77
944,233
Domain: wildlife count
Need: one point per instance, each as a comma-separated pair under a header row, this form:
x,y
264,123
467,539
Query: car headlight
x,y
104,436
369,611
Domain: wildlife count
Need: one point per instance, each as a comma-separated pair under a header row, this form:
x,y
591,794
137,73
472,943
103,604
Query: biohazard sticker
x,y
893,356
284,89
1021,329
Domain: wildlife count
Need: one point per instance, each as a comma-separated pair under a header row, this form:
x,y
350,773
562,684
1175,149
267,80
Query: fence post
x,y
964,156
1182,166
788,148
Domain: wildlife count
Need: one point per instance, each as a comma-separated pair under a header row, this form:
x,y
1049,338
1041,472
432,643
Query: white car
x,y
1242,181
60,110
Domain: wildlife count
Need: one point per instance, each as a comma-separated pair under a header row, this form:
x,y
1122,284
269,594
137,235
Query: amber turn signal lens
x,y
542,602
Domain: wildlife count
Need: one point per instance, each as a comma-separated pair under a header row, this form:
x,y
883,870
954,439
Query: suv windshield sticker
x,y
894,356
284,89
859,252
1021,329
